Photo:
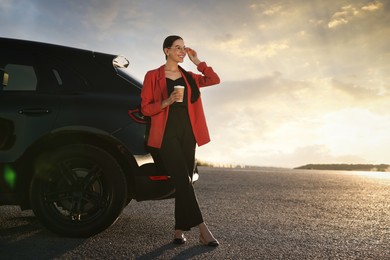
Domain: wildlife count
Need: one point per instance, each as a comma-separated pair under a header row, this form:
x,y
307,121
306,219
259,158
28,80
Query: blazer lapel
x,y
162,82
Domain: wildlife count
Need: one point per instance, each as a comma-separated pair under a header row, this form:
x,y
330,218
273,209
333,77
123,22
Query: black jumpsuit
x,y
178,154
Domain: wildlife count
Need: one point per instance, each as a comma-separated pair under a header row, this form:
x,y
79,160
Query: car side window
x,y
66,78
21,77
58,77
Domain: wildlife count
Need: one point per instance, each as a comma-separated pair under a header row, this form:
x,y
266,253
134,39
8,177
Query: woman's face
x,y
177,51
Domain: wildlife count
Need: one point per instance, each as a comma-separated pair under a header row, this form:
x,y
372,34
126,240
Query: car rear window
x,y
21,78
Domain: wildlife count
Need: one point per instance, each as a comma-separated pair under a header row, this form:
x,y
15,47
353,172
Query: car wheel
x,y
78,191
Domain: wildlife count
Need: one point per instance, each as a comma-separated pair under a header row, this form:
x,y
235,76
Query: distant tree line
x,y
347,167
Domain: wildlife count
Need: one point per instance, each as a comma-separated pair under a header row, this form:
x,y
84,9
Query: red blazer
x,y
154,91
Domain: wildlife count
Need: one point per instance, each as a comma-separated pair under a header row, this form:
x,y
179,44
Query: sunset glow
x,y
302,81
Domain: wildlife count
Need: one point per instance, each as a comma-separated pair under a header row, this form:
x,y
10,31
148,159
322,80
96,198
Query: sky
x,y
302,81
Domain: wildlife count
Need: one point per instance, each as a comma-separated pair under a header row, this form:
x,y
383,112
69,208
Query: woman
x,y
177,125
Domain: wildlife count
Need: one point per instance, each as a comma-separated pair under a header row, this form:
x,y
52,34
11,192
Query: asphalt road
x,y
255,214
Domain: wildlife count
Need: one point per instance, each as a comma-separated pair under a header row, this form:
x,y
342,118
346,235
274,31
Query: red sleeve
x,y
208,78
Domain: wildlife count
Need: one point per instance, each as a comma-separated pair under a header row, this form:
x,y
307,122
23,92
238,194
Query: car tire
x,y
78,190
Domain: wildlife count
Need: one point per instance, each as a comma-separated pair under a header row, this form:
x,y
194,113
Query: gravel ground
x,y
264,213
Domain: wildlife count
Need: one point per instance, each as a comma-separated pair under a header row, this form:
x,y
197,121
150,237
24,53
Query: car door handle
x,y
34,111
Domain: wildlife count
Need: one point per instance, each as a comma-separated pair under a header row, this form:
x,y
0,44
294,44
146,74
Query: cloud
x,y
5,5
274,120
273,10
359,93
101,15
349,12
242,48
343,17
372,6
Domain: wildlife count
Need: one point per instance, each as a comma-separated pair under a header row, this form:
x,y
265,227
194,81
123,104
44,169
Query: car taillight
x,y
159,178
137,116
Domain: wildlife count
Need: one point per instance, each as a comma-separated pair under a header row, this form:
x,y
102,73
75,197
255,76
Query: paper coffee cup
x,y
181,90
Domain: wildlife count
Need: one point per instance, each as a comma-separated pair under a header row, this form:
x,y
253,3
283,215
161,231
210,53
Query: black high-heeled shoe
x,y
213,243
179,240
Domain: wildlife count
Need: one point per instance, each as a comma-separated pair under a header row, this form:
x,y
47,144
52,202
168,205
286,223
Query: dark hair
x,y
168,42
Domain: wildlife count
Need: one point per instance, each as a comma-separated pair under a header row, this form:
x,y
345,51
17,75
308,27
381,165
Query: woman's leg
x,y
187,211
206,237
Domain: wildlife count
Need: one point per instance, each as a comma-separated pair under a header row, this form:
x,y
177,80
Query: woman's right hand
x,y
175,96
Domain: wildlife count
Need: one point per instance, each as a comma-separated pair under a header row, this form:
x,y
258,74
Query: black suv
x,y
72,139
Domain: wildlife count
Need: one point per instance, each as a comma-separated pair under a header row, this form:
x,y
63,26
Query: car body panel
x,y
31,115
71,96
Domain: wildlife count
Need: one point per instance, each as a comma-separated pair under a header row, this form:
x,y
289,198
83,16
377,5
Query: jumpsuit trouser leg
x,y
178,155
